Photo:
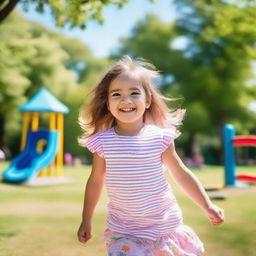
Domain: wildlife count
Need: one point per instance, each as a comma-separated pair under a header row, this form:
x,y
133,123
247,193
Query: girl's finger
x,y
88,237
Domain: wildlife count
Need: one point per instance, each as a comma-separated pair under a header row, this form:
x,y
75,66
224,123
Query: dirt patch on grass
x,y
233,191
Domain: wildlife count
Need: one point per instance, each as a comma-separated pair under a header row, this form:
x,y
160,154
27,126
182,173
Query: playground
x,y
36,214
43,220
205,53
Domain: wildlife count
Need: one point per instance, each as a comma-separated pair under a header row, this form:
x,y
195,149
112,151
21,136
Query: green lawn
x,y
42,221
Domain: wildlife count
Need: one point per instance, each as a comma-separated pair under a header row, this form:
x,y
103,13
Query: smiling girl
x,y
130,131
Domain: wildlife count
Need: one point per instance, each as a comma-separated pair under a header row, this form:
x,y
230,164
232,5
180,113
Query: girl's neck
x,y
128,129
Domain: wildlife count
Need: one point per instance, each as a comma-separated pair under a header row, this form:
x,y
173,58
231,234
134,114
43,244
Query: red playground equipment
x,y
231,141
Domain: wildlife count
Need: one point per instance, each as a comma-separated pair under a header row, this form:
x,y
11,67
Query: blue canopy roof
x,y
44,101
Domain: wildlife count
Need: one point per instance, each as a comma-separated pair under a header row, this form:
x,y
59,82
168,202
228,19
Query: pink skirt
x,y
181,242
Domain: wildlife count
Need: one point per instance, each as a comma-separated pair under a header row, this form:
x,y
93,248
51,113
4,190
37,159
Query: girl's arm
x,y
92,194
191,185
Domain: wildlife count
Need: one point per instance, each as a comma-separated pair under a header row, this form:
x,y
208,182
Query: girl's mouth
x,y
127,109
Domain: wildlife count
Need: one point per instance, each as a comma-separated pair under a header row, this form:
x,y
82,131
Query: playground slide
x,y
30,161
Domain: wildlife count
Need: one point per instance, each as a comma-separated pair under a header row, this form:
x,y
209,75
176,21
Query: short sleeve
x,y
94,144
168,138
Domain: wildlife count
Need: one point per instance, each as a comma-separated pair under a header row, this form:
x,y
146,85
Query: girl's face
x,y
127,100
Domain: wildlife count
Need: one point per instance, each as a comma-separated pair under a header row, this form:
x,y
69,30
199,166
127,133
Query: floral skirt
x,y
181,242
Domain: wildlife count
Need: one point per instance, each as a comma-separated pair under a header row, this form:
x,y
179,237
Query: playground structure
x,y
230,142
41,149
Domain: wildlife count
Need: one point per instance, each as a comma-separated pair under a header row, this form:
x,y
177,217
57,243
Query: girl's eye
x,y
115,94
135,93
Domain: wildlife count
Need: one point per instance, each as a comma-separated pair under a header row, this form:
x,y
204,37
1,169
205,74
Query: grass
x,y
43,221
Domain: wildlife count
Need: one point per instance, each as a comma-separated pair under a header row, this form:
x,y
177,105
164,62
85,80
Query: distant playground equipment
x,y
231,178
41,149
230,142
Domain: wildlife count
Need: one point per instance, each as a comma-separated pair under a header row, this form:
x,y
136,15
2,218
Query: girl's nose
x,y
126,98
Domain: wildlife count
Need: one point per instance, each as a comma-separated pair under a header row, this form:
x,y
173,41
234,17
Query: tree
x,y
71,13
221,46
212,72
31,57
14,52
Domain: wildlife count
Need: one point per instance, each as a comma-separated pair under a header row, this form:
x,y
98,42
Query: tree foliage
x,y
70,13
32,57
221,45
15,50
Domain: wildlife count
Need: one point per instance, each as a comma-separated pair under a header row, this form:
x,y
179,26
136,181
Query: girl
x,y
130,131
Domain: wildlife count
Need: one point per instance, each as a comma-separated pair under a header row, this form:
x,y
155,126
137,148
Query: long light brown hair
x,y
95,116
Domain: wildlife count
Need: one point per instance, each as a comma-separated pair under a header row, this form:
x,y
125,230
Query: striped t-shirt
x,y
141,202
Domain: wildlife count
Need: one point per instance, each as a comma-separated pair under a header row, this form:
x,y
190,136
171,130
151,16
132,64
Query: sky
x,y
118,23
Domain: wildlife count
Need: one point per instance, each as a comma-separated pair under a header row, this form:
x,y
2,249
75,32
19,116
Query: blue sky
x,y
118,23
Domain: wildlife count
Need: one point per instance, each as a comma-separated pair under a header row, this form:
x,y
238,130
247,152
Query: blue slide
x,y
29,162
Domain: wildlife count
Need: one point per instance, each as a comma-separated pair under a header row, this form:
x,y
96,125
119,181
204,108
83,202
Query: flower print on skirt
x,y
181,242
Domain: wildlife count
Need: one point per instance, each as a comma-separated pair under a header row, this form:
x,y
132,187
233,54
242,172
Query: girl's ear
x,y
148,102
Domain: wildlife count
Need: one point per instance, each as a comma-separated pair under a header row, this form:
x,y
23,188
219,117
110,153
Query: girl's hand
x,y
84,232
215,214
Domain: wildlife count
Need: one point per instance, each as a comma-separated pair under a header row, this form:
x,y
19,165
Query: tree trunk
x,y
7,9
3,145
190,146
220,125
2,124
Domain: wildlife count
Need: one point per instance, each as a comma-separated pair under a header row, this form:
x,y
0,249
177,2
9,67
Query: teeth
x,y
127,109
